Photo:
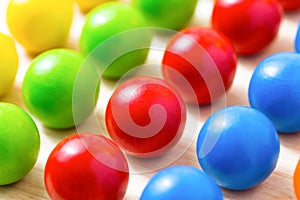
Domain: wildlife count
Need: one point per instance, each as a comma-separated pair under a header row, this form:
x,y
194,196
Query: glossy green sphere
x,y
19,143
53,81
115,37
170,14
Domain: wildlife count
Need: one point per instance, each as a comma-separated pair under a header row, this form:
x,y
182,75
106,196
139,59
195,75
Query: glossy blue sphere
x,y
275,90
181,183
238,146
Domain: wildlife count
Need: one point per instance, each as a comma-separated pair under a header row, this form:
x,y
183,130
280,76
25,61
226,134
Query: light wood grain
x,y
278,186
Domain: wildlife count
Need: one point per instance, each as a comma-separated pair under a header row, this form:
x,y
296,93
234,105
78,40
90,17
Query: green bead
x,y
60,88
170,14
114,38
19,143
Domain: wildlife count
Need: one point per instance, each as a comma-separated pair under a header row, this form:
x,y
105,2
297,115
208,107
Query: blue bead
x,y
275,90
238,146
297,40
181,183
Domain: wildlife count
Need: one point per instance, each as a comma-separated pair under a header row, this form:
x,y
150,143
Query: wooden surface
x,y
277,186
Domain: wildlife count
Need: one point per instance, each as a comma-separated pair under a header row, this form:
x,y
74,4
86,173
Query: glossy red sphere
x,y
200,63
290,5
251,25
145,116
86,166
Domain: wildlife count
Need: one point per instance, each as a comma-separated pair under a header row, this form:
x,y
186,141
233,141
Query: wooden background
x,y
278,186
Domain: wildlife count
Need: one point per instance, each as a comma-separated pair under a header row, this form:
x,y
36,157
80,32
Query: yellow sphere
x,y
8,63
39,25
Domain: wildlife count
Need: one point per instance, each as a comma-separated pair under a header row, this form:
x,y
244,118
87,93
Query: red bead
x,y
86,166
290,5
251,25
203,58
145,117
